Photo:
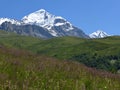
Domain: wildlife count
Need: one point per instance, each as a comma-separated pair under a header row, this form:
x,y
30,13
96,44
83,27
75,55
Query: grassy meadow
x,y
97,53
65,63
23,70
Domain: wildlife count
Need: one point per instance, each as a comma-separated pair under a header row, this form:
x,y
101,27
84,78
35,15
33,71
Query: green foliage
x,y
98,53
22,70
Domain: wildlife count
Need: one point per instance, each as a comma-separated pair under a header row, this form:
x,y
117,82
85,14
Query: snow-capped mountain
x,y
2,20
56,26
45,19
98,34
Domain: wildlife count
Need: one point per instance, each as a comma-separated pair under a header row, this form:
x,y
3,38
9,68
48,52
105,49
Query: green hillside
x,y
99,53
22,70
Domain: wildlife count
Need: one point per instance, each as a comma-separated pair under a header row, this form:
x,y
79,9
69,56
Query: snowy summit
x,y
45,19
40,17
98,34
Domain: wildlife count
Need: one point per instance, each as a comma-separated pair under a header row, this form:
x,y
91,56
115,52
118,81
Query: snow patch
x,y
59,24
2,20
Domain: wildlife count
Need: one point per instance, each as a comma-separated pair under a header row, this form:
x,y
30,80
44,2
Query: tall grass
x,y
23,70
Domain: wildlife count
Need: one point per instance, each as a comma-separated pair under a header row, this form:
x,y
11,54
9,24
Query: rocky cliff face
x,y
28,30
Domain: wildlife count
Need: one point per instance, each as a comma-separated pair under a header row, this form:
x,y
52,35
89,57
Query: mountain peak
x,y
40,18
56,26
100,31
45,19
41,11
98,34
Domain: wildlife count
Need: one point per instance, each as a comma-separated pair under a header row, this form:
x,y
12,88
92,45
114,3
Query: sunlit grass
x,y
22,70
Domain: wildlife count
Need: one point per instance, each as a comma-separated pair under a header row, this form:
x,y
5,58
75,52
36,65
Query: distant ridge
x,y
98,34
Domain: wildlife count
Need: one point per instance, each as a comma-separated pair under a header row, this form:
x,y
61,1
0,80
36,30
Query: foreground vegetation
x,y
22,70
99,53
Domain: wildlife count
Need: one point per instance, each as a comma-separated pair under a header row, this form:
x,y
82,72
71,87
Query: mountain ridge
x,y
54,25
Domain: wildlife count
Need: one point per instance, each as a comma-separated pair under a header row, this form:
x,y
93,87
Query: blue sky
x,y
89,15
